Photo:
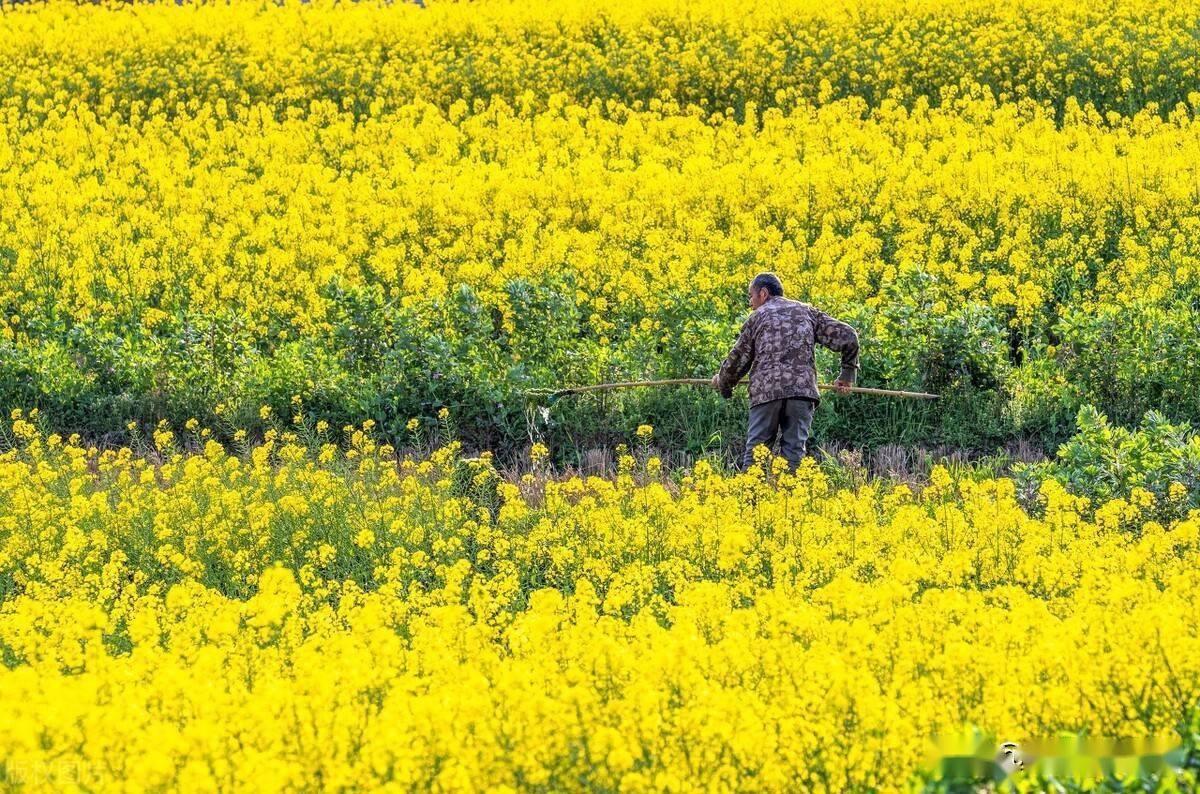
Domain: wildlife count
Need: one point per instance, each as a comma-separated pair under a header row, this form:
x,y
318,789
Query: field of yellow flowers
x,y
231,204
287,616
253,256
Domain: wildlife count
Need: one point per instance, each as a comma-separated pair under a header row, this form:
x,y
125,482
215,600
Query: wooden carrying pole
x,y
919,395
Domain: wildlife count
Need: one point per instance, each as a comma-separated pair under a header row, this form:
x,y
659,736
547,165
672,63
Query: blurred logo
x,y
975,757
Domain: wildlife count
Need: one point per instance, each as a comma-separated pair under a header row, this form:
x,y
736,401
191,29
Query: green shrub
x,y
1104,461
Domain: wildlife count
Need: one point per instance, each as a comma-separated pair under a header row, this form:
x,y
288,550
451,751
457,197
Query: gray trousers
x,y
790,418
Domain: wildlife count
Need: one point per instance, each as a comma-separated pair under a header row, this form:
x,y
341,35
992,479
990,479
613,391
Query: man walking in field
x,y
776,346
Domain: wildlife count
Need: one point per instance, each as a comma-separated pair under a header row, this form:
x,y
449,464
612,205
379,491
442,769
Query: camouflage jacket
x,y
776,347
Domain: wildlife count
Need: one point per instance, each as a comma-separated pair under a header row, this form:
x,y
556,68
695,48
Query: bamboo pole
x,y
919,395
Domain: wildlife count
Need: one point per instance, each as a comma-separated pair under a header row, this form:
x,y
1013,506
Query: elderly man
x,y
776,342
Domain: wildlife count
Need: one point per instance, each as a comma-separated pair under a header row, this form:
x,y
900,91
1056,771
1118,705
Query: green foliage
x,y
378,360
1103,461
374,358
1130,359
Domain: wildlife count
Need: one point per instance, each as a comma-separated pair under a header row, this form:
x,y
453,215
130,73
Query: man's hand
x,y
842,386
716,381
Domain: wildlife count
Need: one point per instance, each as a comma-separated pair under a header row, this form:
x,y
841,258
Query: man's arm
x,y
737,363
841,338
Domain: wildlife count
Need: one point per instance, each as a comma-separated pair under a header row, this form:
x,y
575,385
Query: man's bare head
x,y
764,287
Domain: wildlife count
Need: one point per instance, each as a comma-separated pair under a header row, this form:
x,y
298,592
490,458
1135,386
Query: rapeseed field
x,y
281,282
